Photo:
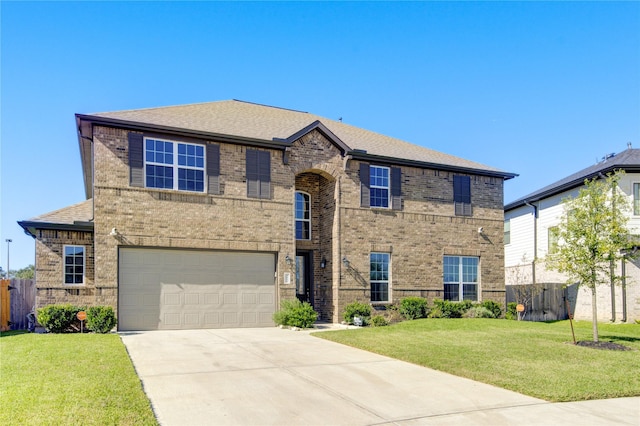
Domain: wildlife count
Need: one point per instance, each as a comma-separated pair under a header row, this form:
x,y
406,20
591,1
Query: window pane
x,y
451,292
379,197
636,199
451,269
379,276
470,292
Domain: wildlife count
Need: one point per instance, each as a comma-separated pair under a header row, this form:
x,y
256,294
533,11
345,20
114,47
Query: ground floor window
x,y
460,278
379,276
74,264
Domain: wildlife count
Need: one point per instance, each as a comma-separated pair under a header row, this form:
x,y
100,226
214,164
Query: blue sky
x,y
542,89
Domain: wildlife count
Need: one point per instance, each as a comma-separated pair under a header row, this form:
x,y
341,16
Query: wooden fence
x,y
550,304
17,299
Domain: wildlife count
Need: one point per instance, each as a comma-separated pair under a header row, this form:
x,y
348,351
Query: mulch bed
x,y
609,346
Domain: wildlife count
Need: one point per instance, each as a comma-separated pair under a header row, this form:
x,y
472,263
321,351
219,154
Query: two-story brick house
x,y
208,215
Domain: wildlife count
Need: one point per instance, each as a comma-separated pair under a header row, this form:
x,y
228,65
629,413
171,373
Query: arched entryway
x,y
315,207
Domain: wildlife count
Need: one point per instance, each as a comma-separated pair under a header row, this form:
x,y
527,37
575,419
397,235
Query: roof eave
x,y
576,183
178,131
359,155
30,227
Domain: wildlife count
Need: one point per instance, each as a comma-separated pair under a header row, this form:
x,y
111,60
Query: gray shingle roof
x,y
627,160
76,217
261,122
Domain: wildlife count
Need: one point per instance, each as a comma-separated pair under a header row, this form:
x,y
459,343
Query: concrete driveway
x,y
272,376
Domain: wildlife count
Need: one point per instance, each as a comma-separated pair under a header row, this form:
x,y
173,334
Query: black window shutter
x,y
365,200
264,174
462,195
252,174
396,188
136,160
213,169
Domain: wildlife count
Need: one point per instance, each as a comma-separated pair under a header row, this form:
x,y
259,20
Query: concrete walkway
x,y
271,376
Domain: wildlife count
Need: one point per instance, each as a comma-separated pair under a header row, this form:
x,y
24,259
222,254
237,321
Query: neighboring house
x,y
530,224
209,215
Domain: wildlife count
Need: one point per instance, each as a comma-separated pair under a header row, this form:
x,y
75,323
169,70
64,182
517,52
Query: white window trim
x,y
175,165
633,198
84,265
388,281
295,219
388,187
461,281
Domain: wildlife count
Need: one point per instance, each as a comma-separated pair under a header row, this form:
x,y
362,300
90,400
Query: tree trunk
x,y
594,313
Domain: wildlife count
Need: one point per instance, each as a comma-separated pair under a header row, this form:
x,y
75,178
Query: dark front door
x,y
304,276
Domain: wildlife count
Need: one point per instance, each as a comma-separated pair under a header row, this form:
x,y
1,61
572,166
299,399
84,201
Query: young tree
x,y
591,235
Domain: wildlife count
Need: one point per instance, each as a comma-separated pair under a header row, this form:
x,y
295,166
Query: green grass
x,y
532,358
54,379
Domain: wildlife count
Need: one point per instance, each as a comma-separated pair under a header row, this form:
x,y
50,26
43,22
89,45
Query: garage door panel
x,y
182,289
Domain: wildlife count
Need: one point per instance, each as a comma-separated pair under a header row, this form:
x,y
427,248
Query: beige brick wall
x,y
49,271
417,237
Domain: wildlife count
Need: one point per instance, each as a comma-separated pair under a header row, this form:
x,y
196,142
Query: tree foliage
x,y
27,272
591,235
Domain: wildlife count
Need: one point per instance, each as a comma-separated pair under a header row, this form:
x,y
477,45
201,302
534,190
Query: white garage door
x,y
162,289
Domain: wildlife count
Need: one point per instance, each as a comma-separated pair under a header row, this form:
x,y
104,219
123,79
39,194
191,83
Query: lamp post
x,y
9,241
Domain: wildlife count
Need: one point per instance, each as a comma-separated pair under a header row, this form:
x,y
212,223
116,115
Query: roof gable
x,y
75,217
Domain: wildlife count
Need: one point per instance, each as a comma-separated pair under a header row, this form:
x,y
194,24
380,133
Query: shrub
x,y
494,307
413,307
101,319
479,312
294,313
512,313
436,312
357,309
451,309
58,318
379,321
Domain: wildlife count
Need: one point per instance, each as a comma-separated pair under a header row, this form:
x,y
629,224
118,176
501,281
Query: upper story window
x,y
379,186
74,261
462,195
174,165
379,276
507,231
460,278
303,216
636,199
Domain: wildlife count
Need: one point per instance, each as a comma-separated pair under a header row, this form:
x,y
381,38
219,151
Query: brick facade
x,y
417,237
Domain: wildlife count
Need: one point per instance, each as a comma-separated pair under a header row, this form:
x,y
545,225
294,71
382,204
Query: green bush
x,y
413,308
435,312
479,312
379,321
357,309
512,313
58,318
294,313
451,309
101,319
494,307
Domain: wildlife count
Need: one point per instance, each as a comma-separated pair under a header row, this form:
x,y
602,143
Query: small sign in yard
x,y
520,307
82,315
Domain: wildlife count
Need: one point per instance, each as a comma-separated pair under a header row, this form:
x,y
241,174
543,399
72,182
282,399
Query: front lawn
x,y
532,358
64,379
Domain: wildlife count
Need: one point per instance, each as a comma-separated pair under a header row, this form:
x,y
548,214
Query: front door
x,y
304,276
